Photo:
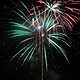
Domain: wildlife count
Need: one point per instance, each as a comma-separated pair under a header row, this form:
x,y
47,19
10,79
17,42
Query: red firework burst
x,y
67,12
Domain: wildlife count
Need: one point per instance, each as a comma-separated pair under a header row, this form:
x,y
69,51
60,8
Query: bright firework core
x,y
39,28
40,31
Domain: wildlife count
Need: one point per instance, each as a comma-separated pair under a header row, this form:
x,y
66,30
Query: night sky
x,y
59,70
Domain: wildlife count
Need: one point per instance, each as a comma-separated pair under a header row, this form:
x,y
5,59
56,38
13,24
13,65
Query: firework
x,y
66,12
41,32
38,28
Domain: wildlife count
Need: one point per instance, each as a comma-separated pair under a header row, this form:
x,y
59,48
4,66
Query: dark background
x,y
13,71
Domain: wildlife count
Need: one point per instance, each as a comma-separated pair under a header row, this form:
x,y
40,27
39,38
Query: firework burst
x,y
65,11
41,32
41,29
